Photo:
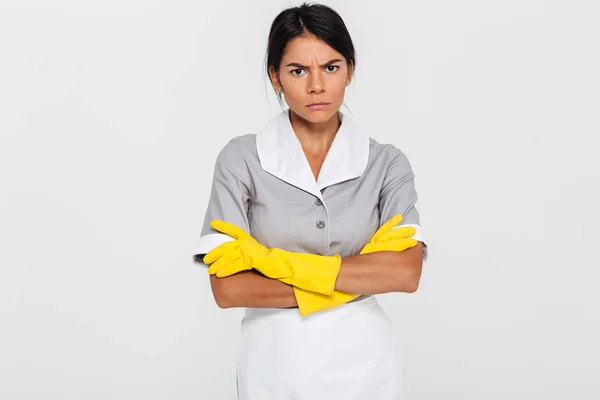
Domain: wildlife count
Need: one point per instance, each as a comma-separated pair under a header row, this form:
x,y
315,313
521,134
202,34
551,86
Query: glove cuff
x,y
311,302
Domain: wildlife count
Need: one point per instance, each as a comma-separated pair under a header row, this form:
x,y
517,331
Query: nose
x,y
315,83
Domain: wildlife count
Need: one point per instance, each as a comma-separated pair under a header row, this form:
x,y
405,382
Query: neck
x,y
315,138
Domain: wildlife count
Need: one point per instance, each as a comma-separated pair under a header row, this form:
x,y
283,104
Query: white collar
x,y
281,154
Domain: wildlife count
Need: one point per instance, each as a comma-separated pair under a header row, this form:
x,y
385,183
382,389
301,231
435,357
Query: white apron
x,y
346,353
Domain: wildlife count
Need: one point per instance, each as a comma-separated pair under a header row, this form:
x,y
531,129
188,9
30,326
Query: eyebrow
x,y
306,67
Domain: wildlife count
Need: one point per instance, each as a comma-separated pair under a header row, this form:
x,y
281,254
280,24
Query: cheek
x,y
338,92
295,89
336,86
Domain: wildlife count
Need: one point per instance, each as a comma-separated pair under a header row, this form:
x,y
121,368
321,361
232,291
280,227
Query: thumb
x,y
229,229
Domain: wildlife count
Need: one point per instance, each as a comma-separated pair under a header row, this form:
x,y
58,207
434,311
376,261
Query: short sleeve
x,y
399,196
229,198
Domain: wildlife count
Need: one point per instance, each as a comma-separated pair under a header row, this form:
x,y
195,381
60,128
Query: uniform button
x,y
318,202
320,224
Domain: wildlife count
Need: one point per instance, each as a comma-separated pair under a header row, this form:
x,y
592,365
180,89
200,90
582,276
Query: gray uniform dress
x,y
263,184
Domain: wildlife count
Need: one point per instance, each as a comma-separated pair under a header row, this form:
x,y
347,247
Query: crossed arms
x,y
374,273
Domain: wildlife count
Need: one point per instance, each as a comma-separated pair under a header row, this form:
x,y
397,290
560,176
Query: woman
x,y
307,220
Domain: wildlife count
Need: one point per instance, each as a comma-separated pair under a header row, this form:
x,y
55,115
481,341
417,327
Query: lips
x,y
317,106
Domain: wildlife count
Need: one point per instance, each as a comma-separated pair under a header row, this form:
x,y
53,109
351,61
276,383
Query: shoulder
x,y
387,154
238,150
236,158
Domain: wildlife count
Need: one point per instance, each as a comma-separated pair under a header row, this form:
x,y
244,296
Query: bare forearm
x,y
251,289
381,272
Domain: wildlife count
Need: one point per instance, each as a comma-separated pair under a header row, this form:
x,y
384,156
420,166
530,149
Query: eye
x,y
335,68
294,70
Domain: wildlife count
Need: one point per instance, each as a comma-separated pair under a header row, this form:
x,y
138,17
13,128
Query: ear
x,y
350,73
274,77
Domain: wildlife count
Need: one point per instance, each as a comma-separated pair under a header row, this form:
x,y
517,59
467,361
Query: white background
x,y
112,114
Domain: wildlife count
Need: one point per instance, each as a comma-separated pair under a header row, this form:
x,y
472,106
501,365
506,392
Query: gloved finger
x,y
398,233
238,265
224,260
219,251
397,244
229,229
387,226
369,248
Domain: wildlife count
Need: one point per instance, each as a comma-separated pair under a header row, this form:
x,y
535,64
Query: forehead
x,y
309,48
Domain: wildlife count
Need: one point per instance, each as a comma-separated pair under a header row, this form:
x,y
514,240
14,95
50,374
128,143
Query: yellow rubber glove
x,y
307,271
385,239
232,257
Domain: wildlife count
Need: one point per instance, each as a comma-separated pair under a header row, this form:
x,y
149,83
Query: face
x,y
312,72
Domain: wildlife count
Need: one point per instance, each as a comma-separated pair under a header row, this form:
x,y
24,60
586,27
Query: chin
x,y
317,117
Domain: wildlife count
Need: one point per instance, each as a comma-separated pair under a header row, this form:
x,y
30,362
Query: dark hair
x,y
308,19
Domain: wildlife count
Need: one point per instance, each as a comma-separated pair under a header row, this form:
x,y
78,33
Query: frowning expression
x,y
313,76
